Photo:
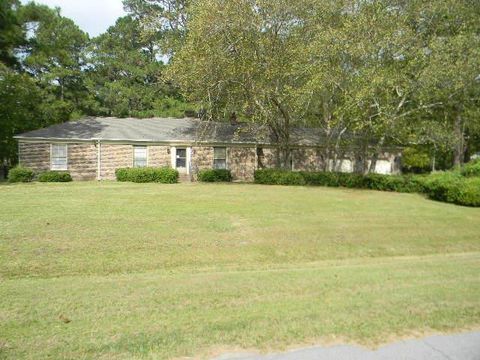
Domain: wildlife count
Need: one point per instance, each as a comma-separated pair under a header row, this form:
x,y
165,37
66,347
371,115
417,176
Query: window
x,y
139,156
181,161
219,158
59,157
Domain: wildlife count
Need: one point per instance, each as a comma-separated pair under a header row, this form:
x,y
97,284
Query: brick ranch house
x,y
93,148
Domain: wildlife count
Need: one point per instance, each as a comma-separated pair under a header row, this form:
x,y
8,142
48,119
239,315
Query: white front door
x,y
181,157
181,160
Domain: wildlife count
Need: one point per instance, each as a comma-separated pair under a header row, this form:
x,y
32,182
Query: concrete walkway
x,y
452,347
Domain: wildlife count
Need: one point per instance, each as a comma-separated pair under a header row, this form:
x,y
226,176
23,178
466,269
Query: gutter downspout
x,y
99,160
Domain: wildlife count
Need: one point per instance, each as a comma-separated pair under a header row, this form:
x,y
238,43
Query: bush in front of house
x,y
398,183
20,174
55,176
469,193
215,175
395,183
163,175
279,177
471,169
451,187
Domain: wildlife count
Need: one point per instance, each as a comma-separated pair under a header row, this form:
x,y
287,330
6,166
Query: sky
x,y
92,16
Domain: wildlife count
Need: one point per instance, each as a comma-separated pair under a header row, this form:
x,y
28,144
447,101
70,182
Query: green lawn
x,y
165,271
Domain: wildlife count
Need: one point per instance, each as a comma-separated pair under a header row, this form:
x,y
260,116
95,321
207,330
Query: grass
x,y
165,271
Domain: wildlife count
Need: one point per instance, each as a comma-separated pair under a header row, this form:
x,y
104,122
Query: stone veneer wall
x,y
267,158
308,159
202,158
35,156
159,156
242,162
115,156
82,161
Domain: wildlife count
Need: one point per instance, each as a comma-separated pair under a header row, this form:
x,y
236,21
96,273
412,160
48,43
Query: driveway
x,y
449,347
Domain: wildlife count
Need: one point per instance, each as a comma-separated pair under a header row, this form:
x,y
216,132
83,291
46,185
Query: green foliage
x,y
215,175
20,110
415,159
20,174
55,56
148,175
451,187
472,169
11,33
278,177
448,187
406,184
55,176
127,74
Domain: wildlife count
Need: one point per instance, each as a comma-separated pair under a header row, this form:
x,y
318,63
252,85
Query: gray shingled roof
x,y
187,130
148,130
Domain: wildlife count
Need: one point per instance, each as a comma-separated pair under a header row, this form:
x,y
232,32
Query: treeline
x,y
52,72
368,74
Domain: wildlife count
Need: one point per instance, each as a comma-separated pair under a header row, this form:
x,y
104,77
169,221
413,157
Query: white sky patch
x,y
92,16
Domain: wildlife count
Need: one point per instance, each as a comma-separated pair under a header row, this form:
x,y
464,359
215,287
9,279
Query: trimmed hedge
x,y
54,176
20,174
449,187
279,177
471,169
215,175
335,179
147,175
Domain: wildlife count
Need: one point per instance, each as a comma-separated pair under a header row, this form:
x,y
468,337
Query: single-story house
x,y
93,148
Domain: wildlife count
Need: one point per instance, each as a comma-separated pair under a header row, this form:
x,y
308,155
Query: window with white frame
x,y
139,156
219,158
59,157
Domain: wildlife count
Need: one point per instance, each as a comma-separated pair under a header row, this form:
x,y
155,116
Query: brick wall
x,y
114,157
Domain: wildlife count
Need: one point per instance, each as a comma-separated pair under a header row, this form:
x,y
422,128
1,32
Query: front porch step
x,y
184,178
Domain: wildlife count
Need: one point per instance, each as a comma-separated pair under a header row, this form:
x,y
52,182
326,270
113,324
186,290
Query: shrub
x,y
54,176
449,187
279,177
334,179
469,193
452,188
147,175
20,174
397,183
215,175
472,169
320,178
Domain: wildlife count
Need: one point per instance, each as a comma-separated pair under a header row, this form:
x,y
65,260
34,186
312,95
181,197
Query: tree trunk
x,y
378,148
459,147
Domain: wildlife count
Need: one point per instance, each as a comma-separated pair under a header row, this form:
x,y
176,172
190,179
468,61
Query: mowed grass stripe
x,y
151,315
